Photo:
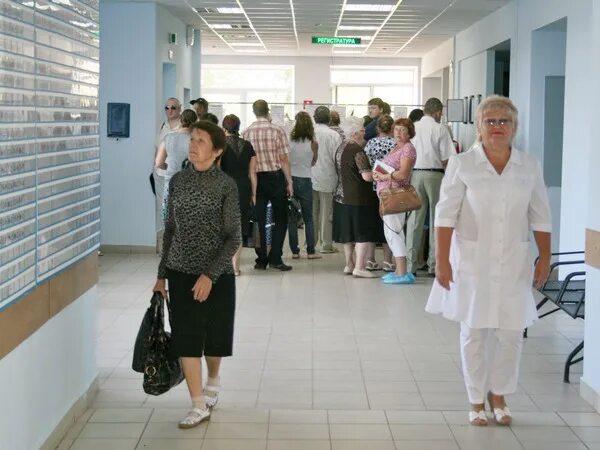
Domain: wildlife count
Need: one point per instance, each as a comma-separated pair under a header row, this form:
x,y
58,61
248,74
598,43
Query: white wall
x,y
532,15
431,87
438,58
312,72
132,58
591,366
46,374
473,79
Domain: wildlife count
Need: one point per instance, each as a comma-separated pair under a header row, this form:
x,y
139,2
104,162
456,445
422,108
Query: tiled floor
x,y
325,361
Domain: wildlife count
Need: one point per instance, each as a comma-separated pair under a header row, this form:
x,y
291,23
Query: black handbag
x,y
294,211
152,351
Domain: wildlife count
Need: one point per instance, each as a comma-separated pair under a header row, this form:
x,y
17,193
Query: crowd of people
x,y
479,207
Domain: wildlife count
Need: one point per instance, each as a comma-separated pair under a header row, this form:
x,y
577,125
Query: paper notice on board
x,y
278,114
217,110
341,110
400,112
310,109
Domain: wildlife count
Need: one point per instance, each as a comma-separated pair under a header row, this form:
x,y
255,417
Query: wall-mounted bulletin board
x,y
49,140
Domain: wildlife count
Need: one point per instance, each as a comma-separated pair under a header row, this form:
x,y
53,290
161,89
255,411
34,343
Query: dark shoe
x,y
260,266
414,274
281,266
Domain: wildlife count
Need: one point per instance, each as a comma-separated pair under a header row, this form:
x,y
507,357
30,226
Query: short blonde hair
x,y
496,102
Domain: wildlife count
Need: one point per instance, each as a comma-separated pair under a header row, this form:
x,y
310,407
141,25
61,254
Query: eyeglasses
x,y
172,108
497,122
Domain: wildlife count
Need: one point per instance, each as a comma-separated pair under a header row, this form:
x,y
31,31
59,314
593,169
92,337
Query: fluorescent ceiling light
x,y
367,7
348,52
365,38
246,44
358,27
225,10
221,26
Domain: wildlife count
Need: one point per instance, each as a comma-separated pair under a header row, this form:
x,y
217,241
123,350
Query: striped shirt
x,y
269,142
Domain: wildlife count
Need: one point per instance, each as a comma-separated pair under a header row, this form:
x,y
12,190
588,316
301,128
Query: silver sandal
x,y
194,418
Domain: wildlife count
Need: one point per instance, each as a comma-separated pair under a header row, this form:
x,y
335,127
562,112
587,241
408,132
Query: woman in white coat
x,y
491,198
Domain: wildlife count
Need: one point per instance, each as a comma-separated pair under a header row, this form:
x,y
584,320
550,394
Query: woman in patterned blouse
x,y
378,148
202,233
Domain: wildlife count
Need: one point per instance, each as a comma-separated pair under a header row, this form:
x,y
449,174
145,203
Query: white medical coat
x,y
490,252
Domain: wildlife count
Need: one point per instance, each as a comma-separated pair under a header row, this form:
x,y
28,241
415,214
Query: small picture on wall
x,y
455,110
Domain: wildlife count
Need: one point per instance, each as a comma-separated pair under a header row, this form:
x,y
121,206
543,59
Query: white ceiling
x,y
411,29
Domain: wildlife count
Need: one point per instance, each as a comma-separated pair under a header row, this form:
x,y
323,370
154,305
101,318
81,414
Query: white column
x,y
590,382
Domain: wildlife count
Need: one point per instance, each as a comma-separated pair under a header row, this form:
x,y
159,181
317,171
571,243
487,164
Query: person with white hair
x,y
356,220
491,198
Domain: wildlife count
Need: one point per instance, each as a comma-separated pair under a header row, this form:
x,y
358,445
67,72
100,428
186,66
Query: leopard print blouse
x,y
202,229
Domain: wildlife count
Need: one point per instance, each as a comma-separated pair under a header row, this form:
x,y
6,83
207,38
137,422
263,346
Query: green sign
x,y
336,40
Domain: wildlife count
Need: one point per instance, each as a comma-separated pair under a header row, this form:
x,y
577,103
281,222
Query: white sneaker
x,y
194,418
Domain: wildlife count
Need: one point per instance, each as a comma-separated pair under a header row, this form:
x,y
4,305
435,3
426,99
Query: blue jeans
x,y
303,193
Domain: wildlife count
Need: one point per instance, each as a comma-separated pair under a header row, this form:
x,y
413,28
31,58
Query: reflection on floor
x,y
325,361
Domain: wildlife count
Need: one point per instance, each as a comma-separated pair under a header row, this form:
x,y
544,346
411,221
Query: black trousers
x,y
271,187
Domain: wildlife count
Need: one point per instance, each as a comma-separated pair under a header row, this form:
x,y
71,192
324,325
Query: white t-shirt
x,y
433,144
301,157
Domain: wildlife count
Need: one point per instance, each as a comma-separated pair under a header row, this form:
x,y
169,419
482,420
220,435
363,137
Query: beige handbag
x,y
398,200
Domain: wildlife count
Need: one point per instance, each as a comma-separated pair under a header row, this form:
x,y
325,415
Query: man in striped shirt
x,y
274,183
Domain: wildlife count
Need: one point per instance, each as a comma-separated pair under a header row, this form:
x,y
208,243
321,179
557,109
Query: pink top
x,y
393,159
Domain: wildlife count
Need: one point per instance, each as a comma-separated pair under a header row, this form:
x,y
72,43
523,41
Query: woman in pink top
x,y
402,159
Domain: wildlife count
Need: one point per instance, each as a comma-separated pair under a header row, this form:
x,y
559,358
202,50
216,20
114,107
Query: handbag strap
x,y
391,229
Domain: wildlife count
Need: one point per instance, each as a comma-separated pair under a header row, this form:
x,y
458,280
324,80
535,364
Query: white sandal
x,y
212,398
502,416
194,418
480,416
389,267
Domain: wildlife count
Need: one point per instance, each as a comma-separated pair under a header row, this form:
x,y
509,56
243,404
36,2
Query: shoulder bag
x,y
398,200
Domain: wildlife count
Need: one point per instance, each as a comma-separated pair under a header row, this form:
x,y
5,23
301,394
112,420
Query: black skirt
x,y
201,328
352,223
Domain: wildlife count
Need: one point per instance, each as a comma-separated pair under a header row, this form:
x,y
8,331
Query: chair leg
x,y
570,361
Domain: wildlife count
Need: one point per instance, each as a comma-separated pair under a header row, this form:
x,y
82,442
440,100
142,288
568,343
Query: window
x,y
354,86
238,86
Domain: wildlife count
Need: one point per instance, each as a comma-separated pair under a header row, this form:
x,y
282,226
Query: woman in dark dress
x,y
239,162
202,232
356,220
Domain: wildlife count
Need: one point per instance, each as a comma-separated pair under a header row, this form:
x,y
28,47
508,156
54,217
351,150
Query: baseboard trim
x,y
128,249
75,412
590,395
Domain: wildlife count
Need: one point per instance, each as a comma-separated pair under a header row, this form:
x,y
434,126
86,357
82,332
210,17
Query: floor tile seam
x,y
145,427
360,362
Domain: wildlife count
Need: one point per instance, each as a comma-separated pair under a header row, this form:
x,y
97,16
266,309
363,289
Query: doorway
x,y
169,81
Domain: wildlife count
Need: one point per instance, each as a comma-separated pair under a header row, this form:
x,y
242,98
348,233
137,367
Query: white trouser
x,y
393,225
490,355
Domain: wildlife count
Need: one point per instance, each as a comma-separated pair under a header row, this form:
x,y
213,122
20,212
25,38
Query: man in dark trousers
x,y
274,183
